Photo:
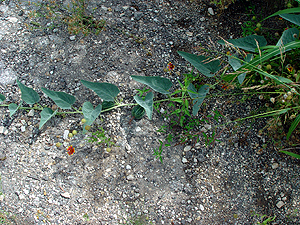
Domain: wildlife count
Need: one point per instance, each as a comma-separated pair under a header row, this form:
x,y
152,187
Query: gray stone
x,y
66,195
128,167
72,38
211,11
275,165
3,130
23,128
7,76
21,196
138,15
31,113
201,207
184,160
280,204
187,148
190,34
130,177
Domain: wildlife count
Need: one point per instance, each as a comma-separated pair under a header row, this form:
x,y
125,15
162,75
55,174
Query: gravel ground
x,y
235,181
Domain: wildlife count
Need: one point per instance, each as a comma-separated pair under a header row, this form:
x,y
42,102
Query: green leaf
x,y
247,43
146,103
90,114
29,95
295,19
291,154
2,97
273,113
206,65
293,126
282,79
61,99
252,65
106,91
292,10
236,64
46,115
241,78
159,84
13,108
199,97
288,36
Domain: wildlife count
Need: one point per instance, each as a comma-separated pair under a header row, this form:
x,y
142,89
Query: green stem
x,y
76,110
266,114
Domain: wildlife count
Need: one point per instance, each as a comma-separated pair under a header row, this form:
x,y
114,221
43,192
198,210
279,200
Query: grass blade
x,y
293,126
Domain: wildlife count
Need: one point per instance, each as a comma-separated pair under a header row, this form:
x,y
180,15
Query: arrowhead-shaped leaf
x,y
206,65
106,91
90,114
293,18
61,99
146,103
12,109
247,43
46,115
2,97
197,97
29,95
236,64
288,36
159,84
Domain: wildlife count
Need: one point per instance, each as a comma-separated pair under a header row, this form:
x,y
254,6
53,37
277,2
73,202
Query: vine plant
x,y
251,55
106,91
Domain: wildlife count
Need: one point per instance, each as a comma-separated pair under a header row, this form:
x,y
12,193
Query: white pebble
x,y
211,11
128,167
66,134
187,148
130,177
275,165
280,204
184,160
201,207
72,38
66,195
31,113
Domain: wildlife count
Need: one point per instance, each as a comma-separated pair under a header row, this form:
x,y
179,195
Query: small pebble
x,y
275,165
72,38
190,34
211,11
187,148
23,128
31,113
280,204
130,177
201,207
66,195
66,134
3,130
128,167
184,160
